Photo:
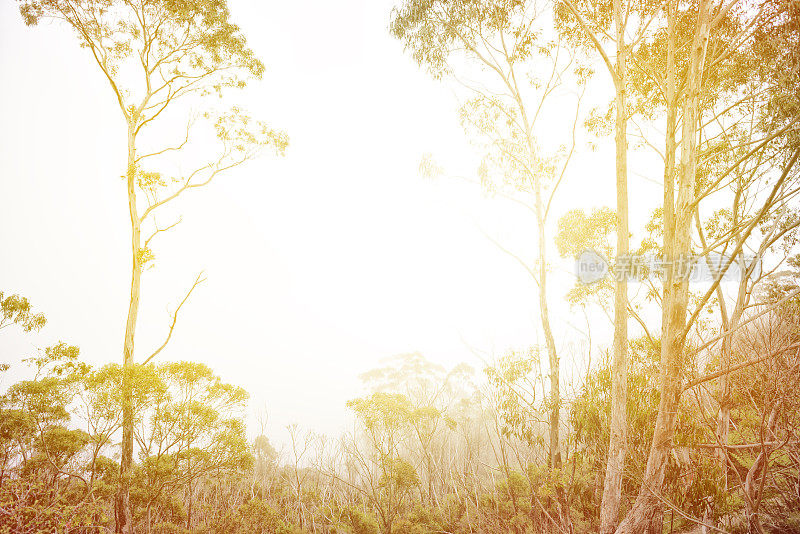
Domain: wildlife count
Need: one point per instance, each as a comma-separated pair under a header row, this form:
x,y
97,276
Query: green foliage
x,y
420,520
17,310
30,507
213,41
355,521
590,418
189,428
433,30
399,474
253,516
515,394
385,411
578,231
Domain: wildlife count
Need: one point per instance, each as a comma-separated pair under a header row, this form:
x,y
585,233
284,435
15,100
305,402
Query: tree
x,y
504,42
389,478
154,55
295,475
432,392
515,382
695,80
54,472
604,27
189,426
43,485
16,310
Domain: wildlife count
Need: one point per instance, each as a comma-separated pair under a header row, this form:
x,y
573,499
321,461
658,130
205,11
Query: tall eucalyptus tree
x,y
156,55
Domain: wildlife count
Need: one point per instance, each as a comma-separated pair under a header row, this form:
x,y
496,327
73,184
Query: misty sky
x,y
319,264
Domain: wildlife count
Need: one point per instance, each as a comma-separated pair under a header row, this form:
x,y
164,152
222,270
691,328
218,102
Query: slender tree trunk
x,y
751,500
645,514
507,472
149,516
671,148
617,446
724,417
754,481
3,470
552,355
554,455
122,506
429,467
554,451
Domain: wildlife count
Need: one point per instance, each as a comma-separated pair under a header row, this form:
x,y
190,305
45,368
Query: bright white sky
x,y
320,264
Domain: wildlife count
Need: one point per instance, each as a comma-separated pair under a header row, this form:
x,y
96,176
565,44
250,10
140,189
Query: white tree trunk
x,y
122,508
617,446
645,514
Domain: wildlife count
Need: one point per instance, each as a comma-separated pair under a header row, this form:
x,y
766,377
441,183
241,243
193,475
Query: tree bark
x,y
554,450
617,446
552,355
645,514
122,506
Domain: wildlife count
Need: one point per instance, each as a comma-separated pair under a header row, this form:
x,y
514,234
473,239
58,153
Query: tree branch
x,y
199,280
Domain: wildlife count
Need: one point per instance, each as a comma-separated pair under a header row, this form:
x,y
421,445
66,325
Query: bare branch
x,y
159,230
199,280
696,382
